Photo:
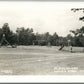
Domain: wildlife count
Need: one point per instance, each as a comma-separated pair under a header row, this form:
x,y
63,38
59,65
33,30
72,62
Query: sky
x,y
41,16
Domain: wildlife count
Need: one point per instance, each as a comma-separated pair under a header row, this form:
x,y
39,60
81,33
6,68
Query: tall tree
x,y
55,39
10,36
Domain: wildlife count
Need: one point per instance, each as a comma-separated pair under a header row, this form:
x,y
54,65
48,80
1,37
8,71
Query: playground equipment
x,y
69,46
6,34
62,46
4,40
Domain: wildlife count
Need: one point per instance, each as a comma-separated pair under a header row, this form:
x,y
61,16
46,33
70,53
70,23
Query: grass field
x,y
41,60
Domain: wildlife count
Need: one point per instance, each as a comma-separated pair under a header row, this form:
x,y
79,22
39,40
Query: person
x,y
71,48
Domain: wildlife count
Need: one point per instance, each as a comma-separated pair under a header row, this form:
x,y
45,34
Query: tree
x,y
1,33
9,35
79,32
25,36
55,39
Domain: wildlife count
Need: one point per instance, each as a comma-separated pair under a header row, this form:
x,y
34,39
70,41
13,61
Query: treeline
x,y
78,38
26,36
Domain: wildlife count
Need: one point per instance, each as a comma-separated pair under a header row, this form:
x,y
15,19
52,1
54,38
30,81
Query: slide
x,y
62,46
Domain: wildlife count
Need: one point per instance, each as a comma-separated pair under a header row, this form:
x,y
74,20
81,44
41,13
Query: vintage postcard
x,y
41,38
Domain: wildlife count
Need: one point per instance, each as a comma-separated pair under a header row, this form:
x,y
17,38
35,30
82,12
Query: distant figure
x,y
71,48
69,45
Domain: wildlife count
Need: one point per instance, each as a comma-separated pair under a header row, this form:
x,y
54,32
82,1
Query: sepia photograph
x,y
41,38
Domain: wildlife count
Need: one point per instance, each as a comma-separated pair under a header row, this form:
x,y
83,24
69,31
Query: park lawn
x,y
41,60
